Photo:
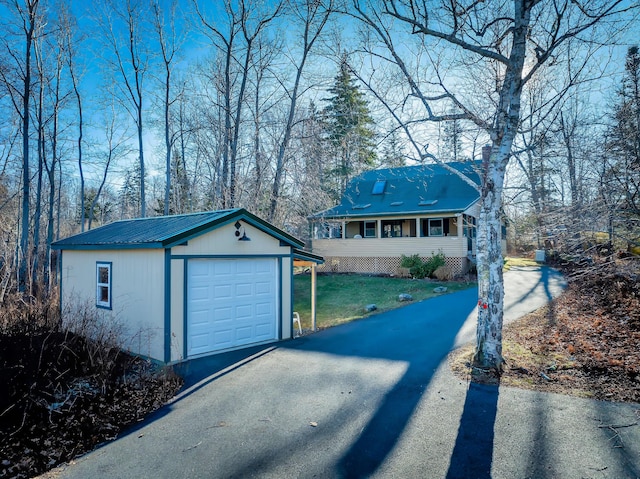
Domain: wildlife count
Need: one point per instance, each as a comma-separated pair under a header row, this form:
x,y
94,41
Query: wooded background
x,y
116,109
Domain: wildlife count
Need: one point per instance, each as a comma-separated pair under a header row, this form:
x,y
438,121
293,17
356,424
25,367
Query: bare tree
x,y
499,47
168,43
313,17
114,146
245,22
130,59
68,29
19,83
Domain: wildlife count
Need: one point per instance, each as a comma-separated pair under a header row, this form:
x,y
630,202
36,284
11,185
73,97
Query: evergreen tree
x,y
95,211
349,128
452,141
130,193
393,154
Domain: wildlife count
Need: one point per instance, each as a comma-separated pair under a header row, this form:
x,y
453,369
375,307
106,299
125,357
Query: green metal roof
x,y
407,190
166,231
307,256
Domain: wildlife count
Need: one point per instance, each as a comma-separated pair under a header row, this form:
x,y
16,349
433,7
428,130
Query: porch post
x,y
313,296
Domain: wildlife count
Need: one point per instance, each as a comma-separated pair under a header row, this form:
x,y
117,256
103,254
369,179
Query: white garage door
x,y
230,303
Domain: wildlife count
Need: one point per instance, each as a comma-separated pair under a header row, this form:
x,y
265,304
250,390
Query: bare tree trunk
x,y
314,15
29,30
132,71
168,49
460,30
238,22
37,213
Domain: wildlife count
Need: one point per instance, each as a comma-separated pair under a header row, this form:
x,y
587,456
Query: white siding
x,y
222,241
137,293
451,246
287,297
138,285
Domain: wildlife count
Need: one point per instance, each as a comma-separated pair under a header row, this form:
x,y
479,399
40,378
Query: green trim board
x,y
291,296
227,256
307,256
280,297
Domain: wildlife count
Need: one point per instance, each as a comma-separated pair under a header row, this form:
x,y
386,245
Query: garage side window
x,y
103,285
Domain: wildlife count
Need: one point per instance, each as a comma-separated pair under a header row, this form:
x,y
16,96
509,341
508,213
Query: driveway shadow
x,y
473,451
421,335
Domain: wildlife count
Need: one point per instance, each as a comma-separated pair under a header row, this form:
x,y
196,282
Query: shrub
x,y
444,273
422,269
67,384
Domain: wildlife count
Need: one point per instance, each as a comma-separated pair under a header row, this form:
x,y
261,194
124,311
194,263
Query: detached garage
x,y
188,285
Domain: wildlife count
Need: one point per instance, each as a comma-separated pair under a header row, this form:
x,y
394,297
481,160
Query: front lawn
x,y
343,297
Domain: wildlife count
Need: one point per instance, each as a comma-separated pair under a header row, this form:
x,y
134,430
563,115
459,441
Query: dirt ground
x,y
585,343
63,395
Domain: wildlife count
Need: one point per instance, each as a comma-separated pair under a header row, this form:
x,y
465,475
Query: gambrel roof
x,y
407,190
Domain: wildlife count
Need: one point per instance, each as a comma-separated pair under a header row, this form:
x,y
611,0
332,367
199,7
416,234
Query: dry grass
x,y
584,343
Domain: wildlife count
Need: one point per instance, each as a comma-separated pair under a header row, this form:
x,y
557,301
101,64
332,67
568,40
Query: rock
x,y
370,307
405,297
440,289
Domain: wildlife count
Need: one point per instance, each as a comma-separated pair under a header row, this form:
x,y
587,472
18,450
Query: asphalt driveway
x,y
374,398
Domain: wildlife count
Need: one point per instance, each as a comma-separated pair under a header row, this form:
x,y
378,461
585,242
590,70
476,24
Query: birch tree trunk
x,y
487,45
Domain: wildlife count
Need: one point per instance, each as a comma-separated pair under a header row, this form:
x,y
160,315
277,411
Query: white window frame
x,y
441,220
102,286
374,228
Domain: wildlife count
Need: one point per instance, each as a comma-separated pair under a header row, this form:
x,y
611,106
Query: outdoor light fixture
x,y
241,236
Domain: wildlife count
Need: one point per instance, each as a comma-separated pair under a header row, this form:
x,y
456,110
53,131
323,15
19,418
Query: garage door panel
x,y
222,292
200,293
223,338
221,268
200,340
244,289
245,267
231,303
263,329
199,318
222,314
244,312
262,268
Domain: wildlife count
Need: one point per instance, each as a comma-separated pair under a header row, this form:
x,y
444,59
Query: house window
x,y
328,230
392,229
103,285
469,226
369,229
435,227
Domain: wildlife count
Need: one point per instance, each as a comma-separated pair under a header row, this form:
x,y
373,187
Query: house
x,y
391,212
188,285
